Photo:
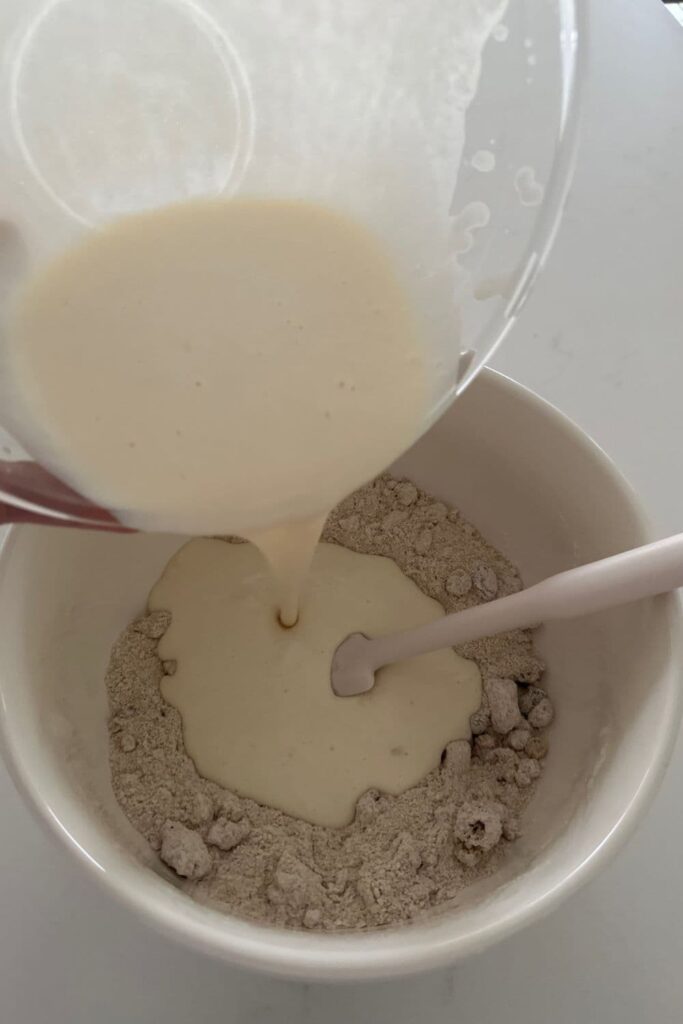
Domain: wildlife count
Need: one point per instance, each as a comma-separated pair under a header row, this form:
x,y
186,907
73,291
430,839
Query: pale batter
x,y
218,366
259,716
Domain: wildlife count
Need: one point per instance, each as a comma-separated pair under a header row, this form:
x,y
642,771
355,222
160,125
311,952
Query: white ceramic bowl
x,y
549,498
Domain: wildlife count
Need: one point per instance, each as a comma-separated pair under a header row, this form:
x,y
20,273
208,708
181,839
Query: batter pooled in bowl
x,y
257,714
402,854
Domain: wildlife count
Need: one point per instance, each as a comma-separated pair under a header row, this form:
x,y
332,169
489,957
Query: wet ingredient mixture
x,y
219,366
258,714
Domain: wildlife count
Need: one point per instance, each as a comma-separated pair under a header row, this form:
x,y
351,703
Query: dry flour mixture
x,y
401,855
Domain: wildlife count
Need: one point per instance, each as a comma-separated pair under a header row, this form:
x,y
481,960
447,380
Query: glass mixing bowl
x,y
108,109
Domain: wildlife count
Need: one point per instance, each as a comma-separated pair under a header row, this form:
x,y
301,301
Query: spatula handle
x,y
641,572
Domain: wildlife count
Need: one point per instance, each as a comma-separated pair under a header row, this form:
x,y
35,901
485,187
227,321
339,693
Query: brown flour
x,y
401,855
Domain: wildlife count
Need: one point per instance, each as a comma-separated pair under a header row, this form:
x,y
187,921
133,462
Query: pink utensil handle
x,y
31,494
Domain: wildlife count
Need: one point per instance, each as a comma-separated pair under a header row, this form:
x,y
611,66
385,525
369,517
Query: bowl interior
x,y
539,490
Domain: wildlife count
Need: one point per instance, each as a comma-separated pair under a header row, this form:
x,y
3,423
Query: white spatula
x,y
642,572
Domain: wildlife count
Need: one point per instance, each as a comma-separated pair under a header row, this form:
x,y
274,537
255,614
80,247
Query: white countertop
x,y
603,339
